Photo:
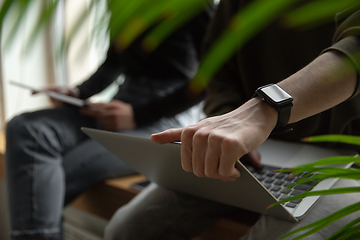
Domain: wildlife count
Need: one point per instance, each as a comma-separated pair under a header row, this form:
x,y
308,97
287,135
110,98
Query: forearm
x,y
322,84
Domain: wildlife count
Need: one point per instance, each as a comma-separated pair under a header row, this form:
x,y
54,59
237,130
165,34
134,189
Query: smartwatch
x,y
276,97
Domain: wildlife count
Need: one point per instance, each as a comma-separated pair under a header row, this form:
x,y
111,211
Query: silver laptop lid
x,y
161,164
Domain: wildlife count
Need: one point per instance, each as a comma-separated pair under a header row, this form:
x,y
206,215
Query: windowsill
x,y
105,198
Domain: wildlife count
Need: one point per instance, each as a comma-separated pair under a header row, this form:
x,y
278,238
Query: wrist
x,y
257,114
75,92
268,114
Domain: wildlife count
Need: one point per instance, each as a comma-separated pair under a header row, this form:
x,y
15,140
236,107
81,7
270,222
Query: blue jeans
x,y
49,162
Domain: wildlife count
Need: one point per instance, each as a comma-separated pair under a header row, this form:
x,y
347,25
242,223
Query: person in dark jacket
x,y
49,161
321,75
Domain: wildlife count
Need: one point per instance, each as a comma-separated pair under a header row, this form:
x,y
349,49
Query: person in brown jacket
x,y
322,77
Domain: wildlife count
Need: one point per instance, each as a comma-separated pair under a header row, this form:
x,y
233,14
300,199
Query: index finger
x,y
168,136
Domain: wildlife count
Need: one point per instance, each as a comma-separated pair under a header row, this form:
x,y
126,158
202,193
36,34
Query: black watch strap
x,y
284,116
278,99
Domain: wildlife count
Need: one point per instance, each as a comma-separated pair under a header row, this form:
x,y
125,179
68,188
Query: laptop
x,y
161,164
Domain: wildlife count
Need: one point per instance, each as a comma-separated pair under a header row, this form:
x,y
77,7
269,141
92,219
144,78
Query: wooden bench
x,y
106,197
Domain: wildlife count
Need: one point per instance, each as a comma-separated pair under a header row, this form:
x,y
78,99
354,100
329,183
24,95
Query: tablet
x,y
58,96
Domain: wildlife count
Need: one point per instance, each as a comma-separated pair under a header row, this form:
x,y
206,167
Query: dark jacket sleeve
x,y
171,66
103,77
179,98
172,104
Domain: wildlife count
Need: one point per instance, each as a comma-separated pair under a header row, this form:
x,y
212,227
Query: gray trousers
x,y
49,162
158,213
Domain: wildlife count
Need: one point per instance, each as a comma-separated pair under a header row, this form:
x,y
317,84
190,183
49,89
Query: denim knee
x,y
17,128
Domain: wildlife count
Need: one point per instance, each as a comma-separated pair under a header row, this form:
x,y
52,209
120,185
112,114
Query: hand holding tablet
x,y
58,96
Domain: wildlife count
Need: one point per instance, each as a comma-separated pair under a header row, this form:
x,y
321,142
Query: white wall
x,y
31,69
88,49
37,68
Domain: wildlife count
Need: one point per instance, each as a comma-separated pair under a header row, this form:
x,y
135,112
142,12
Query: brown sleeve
x,y
347,38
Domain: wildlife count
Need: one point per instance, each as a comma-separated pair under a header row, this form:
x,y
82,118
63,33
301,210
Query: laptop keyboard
x,y
277,183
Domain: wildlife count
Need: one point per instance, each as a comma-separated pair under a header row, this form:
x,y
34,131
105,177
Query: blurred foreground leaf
x,y
245,25
325,169
316,13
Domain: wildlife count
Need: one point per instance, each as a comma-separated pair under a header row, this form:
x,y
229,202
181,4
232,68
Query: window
x,y
41,65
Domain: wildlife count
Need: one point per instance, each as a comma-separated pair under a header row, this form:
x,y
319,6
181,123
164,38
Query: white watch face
x,y
276,93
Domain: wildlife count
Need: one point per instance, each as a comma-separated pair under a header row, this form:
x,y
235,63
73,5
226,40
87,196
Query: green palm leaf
x,y
326,161
322,176
349,231
5,8
319,193
155,37
318,225
246,24
315,13
23,7
337,138
153,14
43,20
81,20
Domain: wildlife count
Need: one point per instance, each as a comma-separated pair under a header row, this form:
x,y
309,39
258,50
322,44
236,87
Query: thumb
x,y
253,158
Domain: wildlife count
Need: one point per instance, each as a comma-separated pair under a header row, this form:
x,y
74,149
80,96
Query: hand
x,y
211,147
112,116
73,92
